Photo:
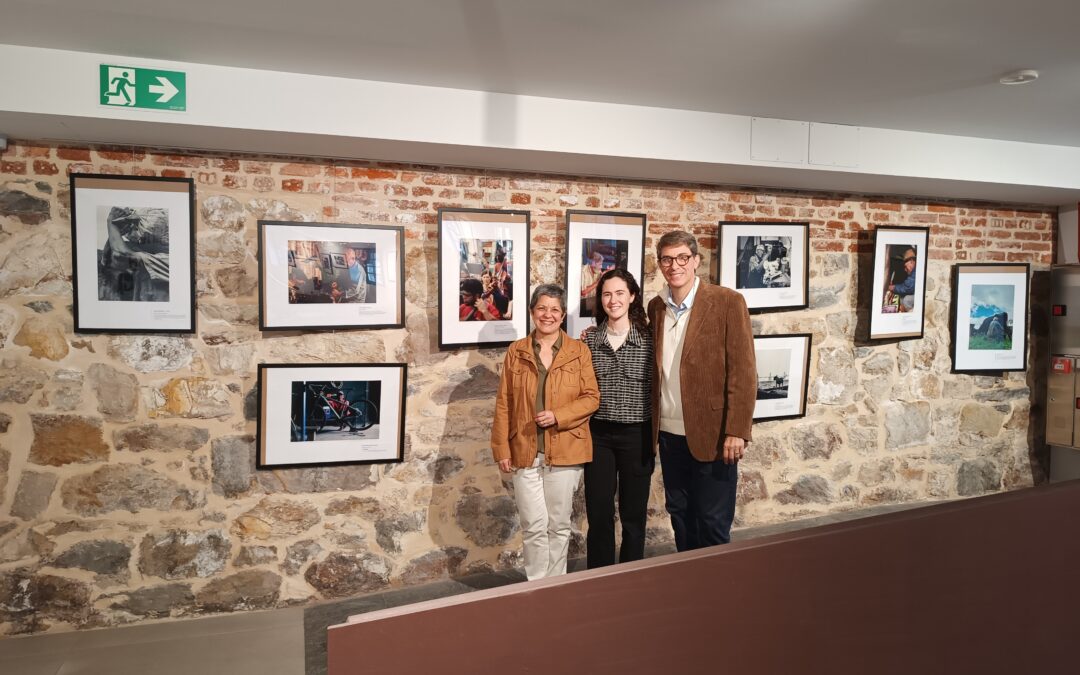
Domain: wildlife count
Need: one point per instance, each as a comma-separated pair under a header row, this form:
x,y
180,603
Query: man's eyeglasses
x,y
667,261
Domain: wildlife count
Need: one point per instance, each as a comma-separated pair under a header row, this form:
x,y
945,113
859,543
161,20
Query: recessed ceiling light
x,y
1019,76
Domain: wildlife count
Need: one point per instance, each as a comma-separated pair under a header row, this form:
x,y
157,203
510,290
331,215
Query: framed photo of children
x,y
989,307
316,415
783,374
767,262
596,242
133,254
483,277
898,292
321,275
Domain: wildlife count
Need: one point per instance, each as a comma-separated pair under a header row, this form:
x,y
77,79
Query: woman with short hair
x,y
540,433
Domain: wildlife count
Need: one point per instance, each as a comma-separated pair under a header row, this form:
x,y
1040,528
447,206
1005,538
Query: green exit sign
x,y
127,87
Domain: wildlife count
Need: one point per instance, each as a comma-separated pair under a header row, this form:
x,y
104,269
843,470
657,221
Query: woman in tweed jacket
x,y
623,461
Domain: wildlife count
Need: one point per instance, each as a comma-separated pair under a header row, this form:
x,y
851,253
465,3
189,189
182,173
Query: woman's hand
x,y
504,466
545,419
585,332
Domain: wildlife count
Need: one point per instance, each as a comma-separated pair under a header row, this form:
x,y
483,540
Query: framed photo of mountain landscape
x,y
898,295
783,375
598,241
768,263
322,275
483,277
133,254
989,317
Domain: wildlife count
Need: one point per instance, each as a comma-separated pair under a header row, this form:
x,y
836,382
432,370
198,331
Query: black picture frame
x,y
789,287
774,375
294,429
972,344
306,294
471,242
609,229
133,254
888,319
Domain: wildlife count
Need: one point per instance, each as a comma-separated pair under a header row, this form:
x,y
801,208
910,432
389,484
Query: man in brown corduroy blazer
x,y
703,401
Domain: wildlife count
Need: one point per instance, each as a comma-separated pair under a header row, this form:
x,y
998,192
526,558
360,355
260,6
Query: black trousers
x,y
622,463
700,495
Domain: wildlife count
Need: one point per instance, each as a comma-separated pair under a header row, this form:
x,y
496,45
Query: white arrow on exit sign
x,y
166,89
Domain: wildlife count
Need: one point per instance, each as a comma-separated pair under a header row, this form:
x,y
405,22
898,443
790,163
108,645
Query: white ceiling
x,y
918,65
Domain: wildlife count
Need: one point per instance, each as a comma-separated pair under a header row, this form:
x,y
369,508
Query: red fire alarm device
x,y
1057,310
1061,365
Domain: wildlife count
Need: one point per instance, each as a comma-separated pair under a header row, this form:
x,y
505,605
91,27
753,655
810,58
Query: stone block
x,y
487,520
245,590
126,487
44,337
67,439
906,424
344,574
116,392
33,494
101,556
182,554
275,518
154,436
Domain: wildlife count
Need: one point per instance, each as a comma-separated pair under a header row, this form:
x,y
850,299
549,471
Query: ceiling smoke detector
x,y
1019,76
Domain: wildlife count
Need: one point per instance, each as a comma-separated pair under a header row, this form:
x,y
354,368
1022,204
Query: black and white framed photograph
x,y
133,254
318,415
898,291
768,263
989,312
483,277
783,374
598,241
322,275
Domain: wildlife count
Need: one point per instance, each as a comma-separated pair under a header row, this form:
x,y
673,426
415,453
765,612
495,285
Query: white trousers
x,y
545,496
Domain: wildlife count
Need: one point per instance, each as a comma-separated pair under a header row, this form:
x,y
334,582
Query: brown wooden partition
x,y
986,585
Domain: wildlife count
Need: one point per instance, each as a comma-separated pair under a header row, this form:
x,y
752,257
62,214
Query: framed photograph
x,y
598,241
483,277
318,415
898,292
303,286
133,254
769,263
783,374
990,307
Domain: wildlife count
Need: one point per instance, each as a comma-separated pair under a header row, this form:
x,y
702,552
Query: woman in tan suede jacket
x,y
540,433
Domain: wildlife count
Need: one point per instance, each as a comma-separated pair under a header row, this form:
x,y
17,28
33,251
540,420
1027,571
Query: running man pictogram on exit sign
x,y
127,87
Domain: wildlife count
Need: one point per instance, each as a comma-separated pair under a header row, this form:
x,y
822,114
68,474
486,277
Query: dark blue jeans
x,y
700,495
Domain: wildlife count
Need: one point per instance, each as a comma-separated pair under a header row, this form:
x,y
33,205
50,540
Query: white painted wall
x,y
55,91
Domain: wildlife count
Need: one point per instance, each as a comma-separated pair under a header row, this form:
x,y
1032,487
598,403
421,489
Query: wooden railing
x,y
986,585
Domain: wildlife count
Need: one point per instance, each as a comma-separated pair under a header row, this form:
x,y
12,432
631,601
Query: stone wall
x,y
127,483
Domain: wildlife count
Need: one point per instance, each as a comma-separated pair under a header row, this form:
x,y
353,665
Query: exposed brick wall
x,y
293,536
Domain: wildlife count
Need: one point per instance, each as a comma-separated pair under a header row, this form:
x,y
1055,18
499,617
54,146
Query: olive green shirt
x,y
541,380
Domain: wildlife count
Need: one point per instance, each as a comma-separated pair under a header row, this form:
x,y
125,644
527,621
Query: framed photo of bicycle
x,y
133,254
898,292
483,277
598,241
783,374
322,275
319,415
768,263
989,317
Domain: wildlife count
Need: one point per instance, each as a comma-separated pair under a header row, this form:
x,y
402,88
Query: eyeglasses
x,y
667,261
